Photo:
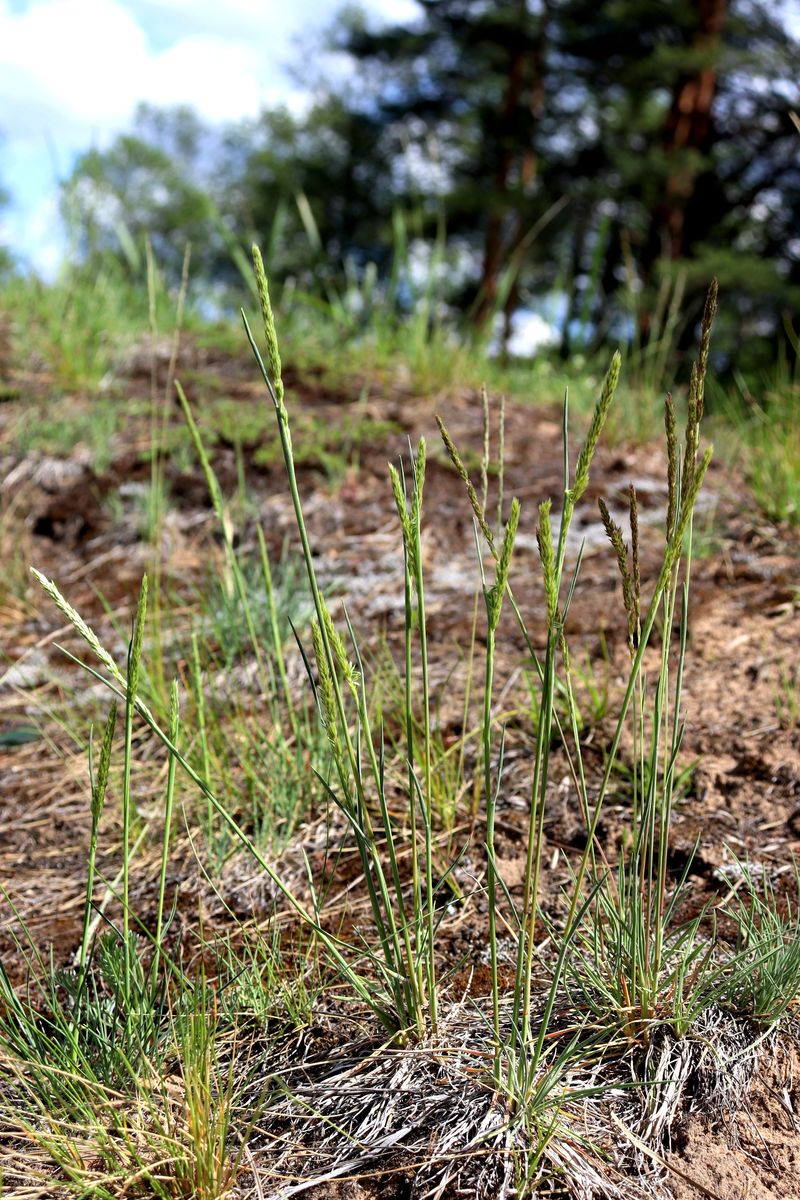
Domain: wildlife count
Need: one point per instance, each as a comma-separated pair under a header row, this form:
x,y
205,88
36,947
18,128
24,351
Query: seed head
x,y
697,388
325,684
709,312
174,712
135,649
101,782
495,594
463,474
595,429
80,626
672,463
544,540
270,332
614,535
336,642
688,501
419,483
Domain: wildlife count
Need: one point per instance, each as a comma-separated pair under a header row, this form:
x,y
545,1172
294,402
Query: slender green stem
x,y
200,703
490,802
428,780
174,722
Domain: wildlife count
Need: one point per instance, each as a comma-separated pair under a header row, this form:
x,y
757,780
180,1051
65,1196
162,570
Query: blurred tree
x,y
158,181
696,161
663,124
316,190
610,154
463,97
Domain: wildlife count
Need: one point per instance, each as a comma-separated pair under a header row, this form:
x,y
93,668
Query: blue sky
x,y
73,71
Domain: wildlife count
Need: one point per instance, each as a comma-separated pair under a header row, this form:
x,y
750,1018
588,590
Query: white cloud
x,y
80,65
73,71
396,12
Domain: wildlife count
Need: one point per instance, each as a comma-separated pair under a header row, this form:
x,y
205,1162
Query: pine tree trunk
x,y
689,127
688,137
517,168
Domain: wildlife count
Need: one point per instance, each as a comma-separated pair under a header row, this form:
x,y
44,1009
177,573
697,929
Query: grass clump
x,y
619,969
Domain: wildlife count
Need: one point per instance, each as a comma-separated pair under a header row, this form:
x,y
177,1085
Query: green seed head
x,y
614,535
494,597
174,712
270,332
349,672
135,652
595,429
670,425
325,684
463,474
544,540
399,494
688,502
709,312
101,782
419,482
79,625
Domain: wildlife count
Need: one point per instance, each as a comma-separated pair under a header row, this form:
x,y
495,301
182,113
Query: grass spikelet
x,y
325,684
688,502
636,575
409,541
270,332
101,782
463,474
692,433
419,483
79,625
697,387
709,312
336,642
595,429
614,535
544,540
399,496
670,426
135,654
494,596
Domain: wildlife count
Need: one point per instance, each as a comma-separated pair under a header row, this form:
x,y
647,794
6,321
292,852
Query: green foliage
x,y
767,442
150,184
767,985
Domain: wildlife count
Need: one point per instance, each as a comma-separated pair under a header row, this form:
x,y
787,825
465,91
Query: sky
x,y
73,71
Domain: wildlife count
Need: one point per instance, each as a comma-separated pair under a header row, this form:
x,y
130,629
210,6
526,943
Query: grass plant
x,y
763,431
610,971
